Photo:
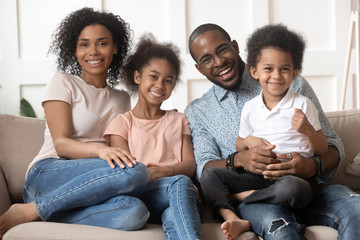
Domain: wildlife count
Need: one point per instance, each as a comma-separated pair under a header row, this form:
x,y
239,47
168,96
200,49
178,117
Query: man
x,y
214,120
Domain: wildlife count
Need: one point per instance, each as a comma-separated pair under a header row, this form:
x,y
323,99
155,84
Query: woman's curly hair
x,y
66,36
146,50
277,36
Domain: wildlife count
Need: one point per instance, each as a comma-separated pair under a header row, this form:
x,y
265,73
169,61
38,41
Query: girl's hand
x,y
118,155
159,172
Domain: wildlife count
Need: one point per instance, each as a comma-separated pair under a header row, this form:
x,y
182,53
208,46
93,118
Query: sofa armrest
x,y
4,194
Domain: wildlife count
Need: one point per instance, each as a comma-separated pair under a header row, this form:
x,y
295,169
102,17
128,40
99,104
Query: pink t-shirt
x,y
92,110
158,142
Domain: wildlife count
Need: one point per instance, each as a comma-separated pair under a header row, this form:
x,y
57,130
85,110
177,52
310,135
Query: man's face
x,y
218,59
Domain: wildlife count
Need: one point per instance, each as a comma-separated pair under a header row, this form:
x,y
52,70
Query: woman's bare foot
x,y
233,228
239,197
17,214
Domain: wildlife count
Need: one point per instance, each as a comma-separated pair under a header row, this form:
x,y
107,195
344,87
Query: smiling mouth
x,y
94,61
158,95
275,84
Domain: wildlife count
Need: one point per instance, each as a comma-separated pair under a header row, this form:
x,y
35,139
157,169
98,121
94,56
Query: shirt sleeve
x,y
119,126
186,126
312,115
59,88
205,146
245,128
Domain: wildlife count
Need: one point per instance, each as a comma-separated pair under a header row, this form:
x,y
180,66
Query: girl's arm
x,y
317,140
186,167
59,121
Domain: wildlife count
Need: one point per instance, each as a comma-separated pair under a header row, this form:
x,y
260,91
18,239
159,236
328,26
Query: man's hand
x,y
256,159
298,166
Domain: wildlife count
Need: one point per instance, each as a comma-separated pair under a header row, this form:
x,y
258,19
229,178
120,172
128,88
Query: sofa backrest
x,y
20,141
347,125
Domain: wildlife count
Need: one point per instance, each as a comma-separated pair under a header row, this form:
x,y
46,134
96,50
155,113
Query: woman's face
x,y
94,51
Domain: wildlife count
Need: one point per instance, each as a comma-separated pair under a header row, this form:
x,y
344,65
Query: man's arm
x,y
205,147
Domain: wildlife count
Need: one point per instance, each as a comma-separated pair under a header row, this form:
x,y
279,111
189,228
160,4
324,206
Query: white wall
x,y
26,27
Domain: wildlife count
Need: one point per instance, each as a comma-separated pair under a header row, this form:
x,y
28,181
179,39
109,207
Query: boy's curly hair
x,y
277,36
66,36
146,50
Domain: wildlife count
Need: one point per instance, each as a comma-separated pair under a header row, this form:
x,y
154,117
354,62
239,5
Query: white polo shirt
x,y
275,125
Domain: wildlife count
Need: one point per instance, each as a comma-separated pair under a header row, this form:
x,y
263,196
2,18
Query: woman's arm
x,y
58,118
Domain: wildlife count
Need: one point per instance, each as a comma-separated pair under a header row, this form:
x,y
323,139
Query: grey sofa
x,y
21,138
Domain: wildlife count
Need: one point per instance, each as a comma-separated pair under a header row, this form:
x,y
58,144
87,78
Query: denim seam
x,y
37,201
75,189
99,212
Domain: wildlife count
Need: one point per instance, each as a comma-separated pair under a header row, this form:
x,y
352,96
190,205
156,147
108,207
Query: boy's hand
x,y
300,122
251,141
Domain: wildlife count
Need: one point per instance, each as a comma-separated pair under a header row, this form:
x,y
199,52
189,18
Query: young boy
x,y
285,121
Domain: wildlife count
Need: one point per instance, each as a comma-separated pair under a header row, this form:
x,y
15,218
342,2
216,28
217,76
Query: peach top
x,y
158,142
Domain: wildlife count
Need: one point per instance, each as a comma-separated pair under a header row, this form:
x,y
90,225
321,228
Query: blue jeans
x,y
89,192
335,206
288,191
172,201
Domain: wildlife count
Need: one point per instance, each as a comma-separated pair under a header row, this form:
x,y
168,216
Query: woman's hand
x,y
118,155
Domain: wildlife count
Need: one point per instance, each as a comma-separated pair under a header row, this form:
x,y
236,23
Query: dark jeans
x,y
288,191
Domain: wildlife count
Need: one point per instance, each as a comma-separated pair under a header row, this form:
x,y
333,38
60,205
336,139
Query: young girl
x,y
160,139
76,177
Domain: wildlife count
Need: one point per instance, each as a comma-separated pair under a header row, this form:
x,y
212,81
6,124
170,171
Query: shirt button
x,y
238,101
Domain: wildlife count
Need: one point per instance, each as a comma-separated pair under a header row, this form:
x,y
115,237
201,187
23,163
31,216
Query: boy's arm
x,y
317,140
249,142
240,144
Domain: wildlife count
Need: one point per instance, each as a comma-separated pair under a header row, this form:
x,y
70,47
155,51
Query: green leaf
x,y
26,109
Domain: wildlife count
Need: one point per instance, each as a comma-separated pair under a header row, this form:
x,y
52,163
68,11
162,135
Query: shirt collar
x,y
286,101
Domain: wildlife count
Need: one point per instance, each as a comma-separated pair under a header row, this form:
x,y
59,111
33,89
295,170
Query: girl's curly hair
x,y
66,36
277,36
146,50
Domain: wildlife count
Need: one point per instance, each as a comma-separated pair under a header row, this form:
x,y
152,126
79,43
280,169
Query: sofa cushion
x,y
354,167
347,124
21,139
51,230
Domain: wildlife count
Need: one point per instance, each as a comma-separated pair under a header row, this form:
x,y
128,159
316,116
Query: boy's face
x,y
275,71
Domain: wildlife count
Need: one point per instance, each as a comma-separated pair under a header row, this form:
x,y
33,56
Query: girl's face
x,y
94,50
156,81
275,71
